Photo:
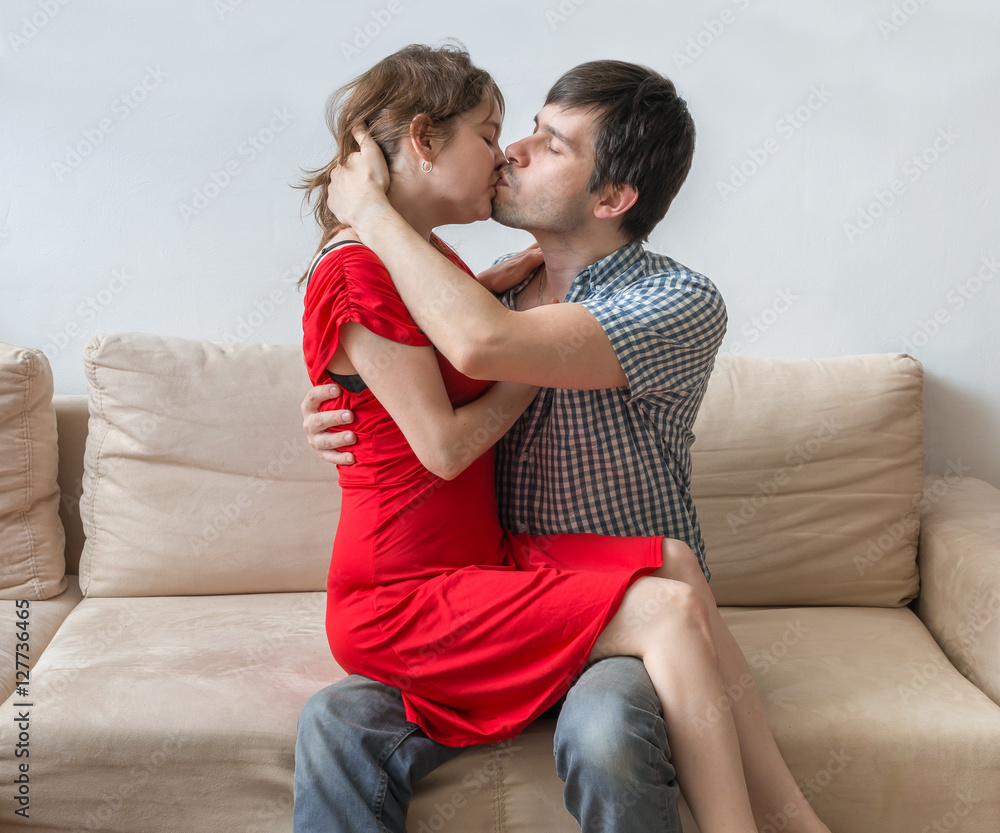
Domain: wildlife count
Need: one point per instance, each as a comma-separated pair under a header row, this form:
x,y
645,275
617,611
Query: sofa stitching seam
x,y
96,475
26,360
499,793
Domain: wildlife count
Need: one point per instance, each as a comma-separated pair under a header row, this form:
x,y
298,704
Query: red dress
x,y
481,629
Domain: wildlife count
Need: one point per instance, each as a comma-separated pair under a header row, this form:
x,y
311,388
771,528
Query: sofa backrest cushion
x,y
807,478
31,535
197,476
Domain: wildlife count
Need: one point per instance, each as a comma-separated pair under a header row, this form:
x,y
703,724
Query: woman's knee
x,y
663,607
655,614
681,563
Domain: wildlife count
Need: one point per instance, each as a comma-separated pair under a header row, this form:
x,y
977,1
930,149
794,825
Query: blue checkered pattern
x,y
618,461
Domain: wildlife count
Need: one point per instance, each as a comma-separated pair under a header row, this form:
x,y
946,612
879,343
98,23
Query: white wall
x,y
844,104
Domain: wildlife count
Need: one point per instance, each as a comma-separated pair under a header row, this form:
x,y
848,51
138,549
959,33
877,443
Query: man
x,y
623,363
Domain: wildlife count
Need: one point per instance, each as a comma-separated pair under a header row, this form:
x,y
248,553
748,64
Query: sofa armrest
x,y
959,561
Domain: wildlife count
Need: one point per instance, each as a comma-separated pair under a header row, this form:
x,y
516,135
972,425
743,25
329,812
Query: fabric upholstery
x,y
164,408
171,692
44,618
32,565
198,478
807,479
190,704
960,575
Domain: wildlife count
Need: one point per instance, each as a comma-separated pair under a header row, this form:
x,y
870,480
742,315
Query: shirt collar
x,y
597,273
607,267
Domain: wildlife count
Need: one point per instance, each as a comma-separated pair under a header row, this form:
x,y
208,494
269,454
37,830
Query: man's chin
x,y
502,215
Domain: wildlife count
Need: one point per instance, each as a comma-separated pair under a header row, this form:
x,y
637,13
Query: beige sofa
x,y
166,678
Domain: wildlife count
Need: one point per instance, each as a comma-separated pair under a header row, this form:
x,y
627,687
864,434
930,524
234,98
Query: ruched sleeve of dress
x,y
350,284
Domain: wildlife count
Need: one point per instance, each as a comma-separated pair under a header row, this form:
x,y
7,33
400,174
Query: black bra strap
x,y
354,383
325,251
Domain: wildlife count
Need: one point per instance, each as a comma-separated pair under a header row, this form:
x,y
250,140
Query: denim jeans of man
x,y
357,757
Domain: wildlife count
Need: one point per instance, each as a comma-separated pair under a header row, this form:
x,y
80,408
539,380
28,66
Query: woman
x,y
481,629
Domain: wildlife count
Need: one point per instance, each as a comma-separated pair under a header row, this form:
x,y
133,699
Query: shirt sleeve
x,y
666,331
350,284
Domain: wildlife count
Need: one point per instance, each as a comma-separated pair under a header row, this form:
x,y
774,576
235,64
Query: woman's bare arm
x,y
407,381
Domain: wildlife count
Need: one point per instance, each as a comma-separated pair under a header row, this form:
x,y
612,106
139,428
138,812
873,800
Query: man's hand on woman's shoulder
x,y
316,422
510,272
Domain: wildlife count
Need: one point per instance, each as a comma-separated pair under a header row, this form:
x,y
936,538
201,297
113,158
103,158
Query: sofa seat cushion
x,y
32,565
180,714
173,713
43,618
808,476
198,478
880,731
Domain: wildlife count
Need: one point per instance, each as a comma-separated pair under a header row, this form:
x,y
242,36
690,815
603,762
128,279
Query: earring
x,y
427,166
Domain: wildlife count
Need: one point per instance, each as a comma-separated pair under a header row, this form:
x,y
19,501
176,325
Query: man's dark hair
x,y
644,137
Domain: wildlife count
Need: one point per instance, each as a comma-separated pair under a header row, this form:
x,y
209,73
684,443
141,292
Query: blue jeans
x,y
357,757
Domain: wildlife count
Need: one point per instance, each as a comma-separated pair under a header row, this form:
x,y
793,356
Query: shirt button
x,y
524,456
522,527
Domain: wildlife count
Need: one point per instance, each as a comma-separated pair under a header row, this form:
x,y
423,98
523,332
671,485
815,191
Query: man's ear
x,y
615,201
420,136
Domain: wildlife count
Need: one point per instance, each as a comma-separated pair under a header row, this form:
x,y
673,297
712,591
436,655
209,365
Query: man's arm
x,y
556,345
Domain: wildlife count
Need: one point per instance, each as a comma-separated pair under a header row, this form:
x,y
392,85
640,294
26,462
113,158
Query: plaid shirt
x,y
618,461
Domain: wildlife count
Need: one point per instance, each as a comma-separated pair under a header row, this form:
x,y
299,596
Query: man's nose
x,y
514,152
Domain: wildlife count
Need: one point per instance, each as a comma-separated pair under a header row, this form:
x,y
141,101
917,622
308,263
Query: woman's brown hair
x,y
440,83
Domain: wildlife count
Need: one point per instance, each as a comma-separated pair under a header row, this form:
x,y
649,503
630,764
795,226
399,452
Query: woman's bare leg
x,y
770,783
677,649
